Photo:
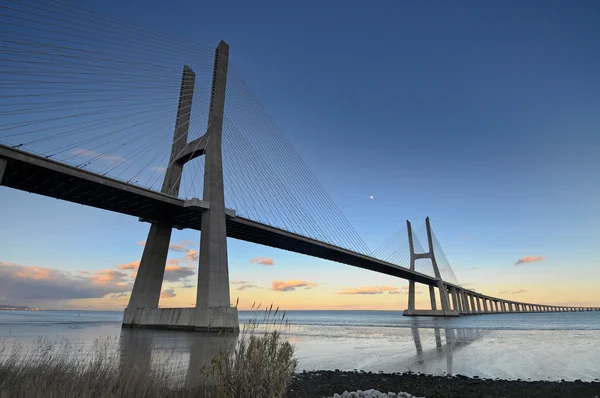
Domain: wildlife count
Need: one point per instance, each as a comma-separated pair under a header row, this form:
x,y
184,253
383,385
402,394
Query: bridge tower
x,y
213,309
443,289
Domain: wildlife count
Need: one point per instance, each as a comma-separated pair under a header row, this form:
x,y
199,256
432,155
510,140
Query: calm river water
x,y
545,346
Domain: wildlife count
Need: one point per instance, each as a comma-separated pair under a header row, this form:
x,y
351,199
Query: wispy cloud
x,y
177,247
503,292
370,290
247,286
109,276
287,286
119,295
181,246
160,169
168,293
519,291
238,283
263,261
529,259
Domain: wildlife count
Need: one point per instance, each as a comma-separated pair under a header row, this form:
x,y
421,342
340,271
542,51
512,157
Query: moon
x,y
371,197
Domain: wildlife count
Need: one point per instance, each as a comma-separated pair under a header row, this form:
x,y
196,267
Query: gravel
x,y
328,383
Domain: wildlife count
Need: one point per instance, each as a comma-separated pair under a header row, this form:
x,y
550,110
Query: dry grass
x,y
260,364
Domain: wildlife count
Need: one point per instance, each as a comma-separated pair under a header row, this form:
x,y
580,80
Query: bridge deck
x,y
36,174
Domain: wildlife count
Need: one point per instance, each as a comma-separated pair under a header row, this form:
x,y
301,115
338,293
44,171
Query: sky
x,y
481,115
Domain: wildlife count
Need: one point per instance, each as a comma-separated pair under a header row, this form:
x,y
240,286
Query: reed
x,y
260,364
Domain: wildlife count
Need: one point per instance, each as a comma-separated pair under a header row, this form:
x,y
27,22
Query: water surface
x,y
544,346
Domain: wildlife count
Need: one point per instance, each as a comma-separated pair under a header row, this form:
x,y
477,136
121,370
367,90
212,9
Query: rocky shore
x,y
327,383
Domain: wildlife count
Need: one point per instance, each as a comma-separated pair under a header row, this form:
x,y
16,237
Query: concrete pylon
x,y
443,289
148,282
213,274
441,286
213,310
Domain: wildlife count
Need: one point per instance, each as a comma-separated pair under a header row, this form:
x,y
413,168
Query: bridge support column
x,y
411,298
3,163
432,297
455,301
213,311
465,298
485,306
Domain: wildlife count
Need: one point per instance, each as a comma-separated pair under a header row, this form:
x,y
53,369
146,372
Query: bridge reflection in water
x,y
183,355
453,340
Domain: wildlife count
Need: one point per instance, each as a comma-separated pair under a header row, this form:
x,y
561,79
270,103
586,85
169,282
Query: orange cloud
x,y
173,271
529,259
108,276
263,260
370,290
21,282
287,286
168,293
192,255
132,266
129,266
37,273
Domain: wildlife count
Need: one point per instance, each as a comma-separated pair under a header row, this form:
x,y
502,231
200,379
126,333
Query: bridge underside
x,y
36,174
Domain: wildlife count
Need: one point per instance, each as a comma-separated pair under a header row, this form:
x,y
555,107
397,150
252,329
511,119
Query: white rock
x,y
372,393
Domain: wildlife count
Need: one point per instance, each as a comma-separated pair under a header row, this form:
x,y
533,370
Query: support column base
x,y
430,313
193,319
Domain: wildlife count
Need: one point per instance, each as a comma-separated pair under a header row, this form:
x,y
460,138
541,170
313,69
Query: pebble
x,y
373,394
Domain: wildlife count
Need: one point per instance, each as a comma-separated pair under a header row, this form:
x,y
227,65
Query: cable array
x,y
100,93
267,180
442,261
395,249
95,91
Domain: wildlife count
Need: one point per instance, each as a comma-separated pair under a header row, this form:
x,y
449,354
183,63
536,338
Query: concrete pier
x,y
446,310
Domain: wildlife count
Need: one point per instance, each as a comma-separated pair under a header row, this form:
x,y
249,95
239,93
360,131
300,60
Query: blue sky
x,y
482,115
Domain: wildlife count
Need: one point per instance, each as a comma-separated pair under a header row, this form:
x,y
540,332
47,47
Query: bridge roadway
x,y
37,174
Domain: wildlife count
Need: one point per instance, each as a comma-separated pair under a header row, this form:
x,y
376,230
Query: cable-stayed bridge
x,y
98,111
